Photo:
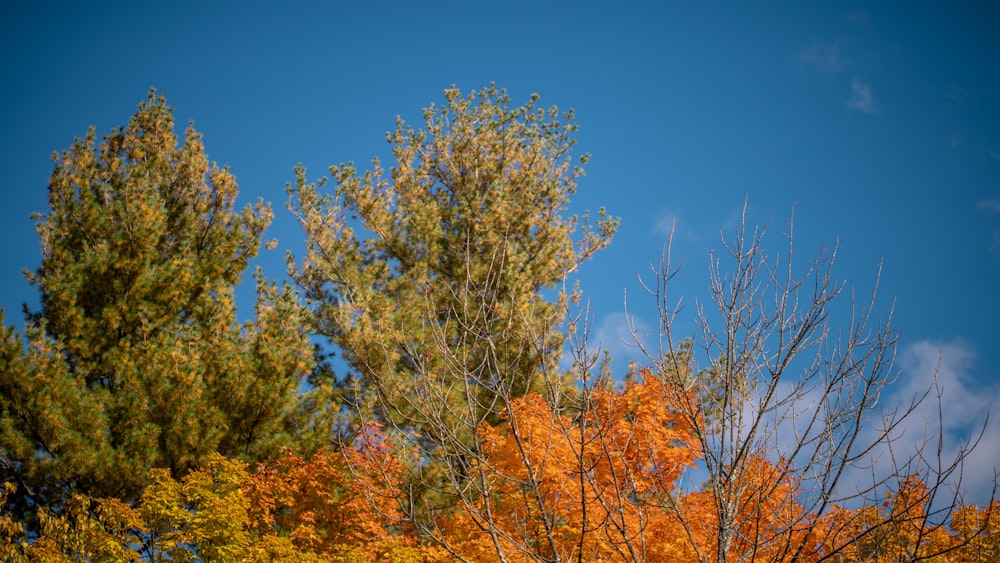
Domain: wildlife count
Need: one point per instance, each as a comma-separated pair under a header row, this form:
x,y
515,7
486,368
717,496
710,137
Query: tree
x,y
898,529
583,486
290,510
203,517
340,504
780,383
136,359
438,302
129,415
979,531
468,226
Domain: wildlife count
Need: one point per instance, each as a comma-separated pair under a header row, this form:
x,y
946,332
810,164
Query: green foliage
x,y
135,401
136,359
444,280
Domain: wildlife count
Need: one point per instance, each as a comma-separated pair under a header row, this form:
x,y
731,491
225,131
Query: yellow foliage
x,y
10,531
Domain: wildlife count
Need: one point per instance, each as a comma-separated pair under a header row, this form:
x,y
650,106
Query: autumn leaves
x,y
141,421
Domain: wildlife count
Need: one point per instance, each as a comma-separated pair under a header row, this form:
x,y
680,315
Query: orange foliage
x,y
343,504
602,482
770,525
597,487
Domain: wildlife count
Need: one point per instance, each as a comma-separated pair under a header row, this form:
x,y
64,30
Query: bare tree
x,y
777,381
434,278
785,417
577,471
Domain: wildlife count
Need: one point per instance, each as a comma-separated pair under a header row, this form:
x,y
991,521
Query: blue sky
x,y
880,126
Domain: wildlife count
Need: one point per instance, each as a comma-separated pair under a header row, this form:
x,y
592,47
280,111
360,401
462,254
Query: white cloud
x,y
862,98
993,152
956,95
964,406
860,19
613,334
822,56
990,205
669,222
737,217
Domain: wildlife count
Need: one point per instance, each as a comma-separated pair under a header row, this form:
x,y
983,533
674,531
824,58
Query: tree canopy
x,y
453,246
140,419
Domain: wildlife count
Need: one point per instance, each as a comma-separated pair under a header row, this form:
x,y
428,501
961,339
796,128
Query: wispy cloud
x,y
735,218
860,19
612,334
862,98
947,369
990,205
956,95
701,231
993,152
826,57
964,406
669,222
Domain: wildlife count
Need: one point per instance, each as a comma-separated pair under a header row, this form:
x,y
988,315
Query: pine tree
x,y
136,359
442,280
457,245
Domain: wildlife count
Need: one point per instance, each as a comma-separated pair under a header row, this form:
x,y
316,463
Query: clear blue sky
x,y
881,126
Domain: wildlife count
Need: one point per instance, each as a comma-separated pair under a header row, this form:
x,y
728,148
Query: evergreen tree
x,y
136,359
442,280
445,281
